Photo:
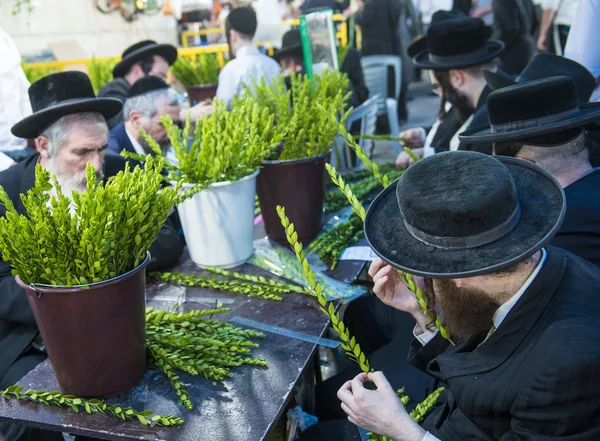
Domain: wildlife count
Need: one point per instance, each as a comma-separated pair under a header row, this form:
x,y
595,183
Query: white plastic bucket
x,y
218,223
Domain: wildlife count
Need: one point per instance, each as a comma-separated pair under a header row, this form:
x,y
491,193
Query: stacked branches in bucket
x,y
219,171
196,70
87,237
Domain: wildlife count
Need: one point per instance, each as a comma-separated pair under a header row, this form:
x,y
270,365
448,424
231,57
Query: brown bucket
x,y
95,335
298,185
197,94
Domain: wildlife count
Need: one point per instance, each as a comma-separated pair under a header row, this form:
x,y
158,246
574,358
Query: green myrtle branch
x,y
284,287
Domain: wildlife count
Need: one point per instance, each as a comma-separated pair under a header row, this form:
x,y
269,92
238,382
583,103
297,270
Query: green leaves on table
x,y
87,237
90,406
197,345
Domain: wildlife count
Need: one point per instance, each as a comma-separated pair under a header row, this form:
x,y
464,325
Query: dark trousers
x,y
385,335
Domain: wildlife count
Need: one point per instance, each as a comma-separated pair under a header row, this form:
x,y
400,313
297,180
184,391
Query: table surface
x,y
244,407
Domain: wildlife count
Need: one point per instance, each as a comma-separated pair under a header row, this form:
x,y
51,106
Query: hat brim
x,y
543,207
168,52
483,134
33,125
420,44
295,49
493,49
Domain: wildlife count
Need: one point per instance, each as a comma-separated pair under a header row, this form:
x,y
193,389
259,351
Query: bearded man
x,y
69,128
522,316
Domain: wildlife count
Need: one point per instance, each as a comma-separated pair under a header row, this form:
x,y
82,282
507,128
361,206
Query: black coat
x,y
446,129
117,88
379,22
17,325
118,140
351,66
536,377
480,118
580,231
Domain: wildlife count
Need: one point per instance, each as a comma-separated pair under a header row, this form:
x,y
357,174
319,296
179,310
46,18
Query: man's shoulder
x,y
113,164
116,88
12,177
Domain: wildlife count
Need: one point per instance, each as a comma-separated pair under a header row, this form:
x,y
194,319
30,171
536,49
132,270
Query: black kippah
x,y
243,20
145,85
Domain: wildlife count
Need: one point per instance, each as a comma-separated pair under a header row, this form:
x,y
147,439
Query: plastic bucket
x,y
201,93
95,335
299,185
218,223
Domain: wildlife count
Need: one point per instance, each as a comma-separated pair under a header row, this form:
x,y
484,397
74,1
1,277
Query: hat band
x,y
534,122
481,52
464,242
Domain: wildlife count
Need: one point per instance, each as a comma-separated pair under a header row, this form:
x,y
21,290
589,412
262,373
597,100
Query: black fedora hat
x,y
58,95
532,109
420,44
546,65
136,53
457,43
291,44
463,214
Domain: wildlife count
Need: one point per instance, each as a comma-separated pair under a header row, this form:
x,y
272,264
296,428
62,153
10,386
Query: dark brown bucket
x,y
298,185
95,334
197,94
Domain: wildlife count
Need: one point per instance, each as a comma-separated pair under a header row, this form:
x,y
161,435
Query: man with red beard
x,y
70,130
524,355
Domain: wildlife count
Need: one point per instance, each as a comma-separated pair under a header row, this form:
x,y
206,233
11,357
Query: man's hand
x,y
379,411
200,110
403,161
413,137
542,42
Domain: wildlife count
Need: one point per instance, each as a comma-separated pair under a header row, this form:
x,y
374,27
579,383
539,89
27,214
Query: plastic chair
x,y
366,113
375,71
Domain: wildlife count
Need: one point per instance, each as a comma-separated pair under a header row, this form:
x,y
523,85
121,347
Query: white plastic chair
x,y
375,71
366,113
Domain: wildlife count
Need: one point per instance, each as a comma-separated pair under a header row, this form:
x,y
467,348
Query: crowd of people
x,y
499,222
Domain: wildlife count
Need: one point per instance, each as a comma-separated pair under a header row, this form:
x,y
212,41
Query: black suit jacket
x,y
17,325
480,119
379,22
118,140
580,231
536,377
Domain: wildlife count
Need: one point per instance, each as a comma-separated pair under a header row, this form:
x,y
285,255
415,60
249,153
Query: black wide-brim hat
x,y
462,191
291,44
457,43
532,109
136,53
58,95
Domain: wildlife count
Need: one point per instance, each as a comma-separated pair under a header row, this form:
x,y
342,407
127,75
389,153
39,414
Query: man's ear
x,y
457,78
41,145
136,119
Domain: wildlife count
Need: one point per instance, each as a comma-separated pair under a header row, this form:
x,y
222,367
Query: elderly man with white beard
x,y
69,128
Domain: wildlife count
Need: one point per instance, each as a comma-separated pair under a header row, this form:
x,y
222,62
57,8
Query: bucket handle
x,y
37,293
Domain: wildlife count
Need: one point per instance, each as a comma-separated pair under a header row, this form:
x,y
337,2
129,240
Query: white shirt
x,y
584,30
499,316
136,145
14,99
428,7
565,10
248,64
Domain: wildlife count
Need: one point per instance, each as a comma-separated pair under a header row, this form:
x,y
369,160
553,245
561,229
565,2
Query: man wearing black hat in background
x,y
456,52
542,122
522,315
248,63
69,127
146,58
148,100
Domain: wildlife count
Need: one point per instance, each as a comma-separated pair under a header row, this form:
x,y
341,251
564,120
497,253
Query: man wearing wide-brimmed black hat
x,y
139,60
543,122
522,358
455,51
248,63
69,127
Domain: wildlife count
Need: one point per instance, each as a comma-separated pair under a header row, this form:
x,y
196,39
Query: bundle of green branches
x,y
198,345
331,244
196,70
100,72
233,282
307,114
227,146
86,237
35,73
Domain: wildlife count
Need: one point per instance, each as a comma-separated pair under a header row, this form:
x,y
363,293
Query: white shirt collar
x,y
504,309
136,145
247,50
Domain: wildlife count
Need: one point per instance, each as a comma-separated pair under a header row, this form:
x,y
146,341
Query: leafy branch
x,y
284,287
196,70
90,406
